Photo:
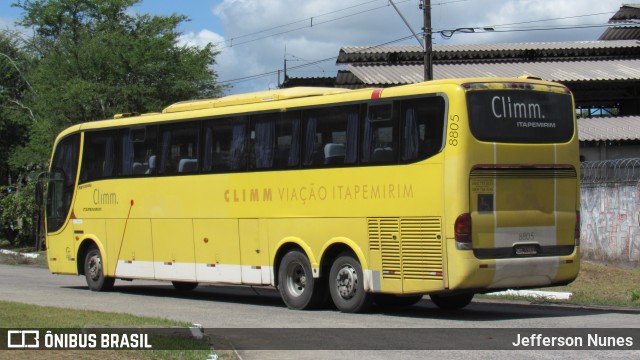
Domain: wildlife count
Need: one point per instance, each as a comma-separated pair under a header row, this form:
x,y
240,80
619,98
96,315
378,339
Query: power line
x,y
310,25
270,73
560,18
544,20
295,22
569,27
275,72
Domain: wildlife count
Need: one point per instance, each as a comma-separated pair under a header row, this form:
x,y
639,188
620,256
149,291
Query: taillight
x,y
462,230
577,230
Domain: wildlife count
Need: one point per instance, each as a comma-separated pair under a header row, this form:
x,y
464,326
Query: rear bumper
x,y
511,273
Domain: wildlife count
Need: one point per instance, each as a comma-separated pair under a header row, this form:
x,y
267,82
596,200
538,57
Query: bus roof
x,y
182,109
252,98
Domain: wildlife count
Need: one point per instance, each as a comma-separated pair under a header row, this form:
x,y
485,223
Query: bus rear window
x,y
520,116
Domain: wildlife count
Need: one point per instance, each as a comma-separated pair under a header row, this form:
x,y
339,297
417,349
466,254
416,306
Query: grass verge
x,y
598,284
40,261
604,285
17,315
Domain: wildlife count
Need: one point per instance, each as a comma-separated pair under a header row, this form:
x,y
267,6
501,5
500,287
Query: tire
x,y
389,300
451,302
184,286
298,288
94,272
346,285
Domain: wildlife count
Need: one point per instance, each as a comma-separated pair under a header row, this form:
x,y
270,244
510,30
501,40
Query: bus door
x,y
61,251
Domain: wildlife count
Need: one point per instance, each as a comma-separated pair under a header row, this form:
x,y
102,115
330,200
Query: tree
x,y
15,116
97,58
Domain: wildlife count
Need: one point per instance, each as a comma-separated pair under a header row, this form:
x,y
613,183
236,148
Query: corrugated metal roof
x,y
563,71
487,52
562,45
626,12
609,128
621,33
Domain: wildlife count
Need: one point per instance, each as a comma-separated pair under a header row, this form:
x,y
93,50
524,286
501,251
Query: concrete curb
x,y
15,253
552,305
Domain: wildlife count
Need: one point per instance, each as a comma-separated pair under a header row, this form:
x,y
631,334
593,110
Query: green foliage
x,y
97,58
15,115
18,212
87,60
635,295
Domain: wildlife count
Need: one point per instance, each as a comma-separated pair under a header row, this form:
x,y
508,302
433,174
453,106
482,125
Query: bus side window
x,y
331,136
287,154
422,128
224,145
380,139
138,151
263,141
100,155
179,148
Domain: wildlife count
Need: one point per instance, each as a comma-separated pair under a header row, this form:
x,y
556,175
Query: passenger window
x,y
139,151
179,148
379,139
100,155
423,128
225,145
331,136
288,140
263,141
275,141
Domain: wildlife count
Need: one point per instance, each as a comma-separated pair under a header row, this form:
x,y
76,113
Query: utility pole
x,y
428,45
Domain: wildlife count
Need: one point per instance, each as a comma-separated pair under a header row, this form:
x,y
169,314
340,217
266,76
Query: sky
x,y
255,37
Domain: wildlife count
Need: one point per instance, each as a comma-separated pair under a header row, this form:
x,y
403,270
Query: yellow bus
x,y
446,188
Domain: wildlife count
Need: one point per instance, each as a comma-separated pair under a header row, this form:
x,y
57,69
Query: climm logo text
x,y
503,108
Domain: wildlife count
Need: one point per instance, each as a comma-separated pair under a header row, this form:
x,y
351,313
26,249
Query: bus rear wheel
x,y
451,302
298,288
94,271
346,285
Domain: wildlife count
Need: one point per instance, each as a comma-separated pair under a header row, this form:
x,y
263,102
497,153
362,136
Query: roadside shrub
x,y
18,213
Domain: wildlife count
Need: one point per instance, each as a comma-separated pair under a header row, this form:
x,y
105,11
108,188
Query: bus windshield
x,y
520,116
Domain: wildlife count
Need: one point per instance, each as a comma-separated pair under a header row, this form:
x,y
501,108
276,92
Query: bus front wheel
x,y
94,271
451,302
346,285
298,288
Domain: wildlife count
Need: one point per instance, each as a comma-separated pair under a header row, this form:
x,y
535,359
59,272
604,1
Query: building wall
x,y
606,151
610,230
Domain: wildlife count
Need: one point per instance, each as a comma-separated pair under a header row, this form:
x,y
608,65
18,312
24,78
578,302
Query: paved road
x,y
244,307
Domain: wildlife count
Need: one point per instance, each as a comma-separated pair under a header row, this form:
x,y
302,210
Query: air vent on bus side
x,y
410,248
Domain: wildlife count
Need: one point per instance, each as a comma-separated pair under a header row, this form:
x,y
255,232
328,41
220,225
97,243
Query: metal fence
x,y
619,171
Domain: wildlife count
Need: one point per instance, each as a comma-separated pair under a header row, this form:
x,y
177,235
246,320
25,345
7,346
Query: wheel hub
x,y
347,282
95,267
296,279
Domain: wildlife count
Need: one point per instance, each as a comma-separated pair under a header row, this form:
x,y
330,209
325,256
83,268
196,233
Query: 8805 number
x,y
454,126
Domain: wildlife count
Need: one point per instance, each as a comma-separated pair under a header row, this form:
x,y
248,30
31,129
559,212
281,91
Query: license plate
x,y
523,250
